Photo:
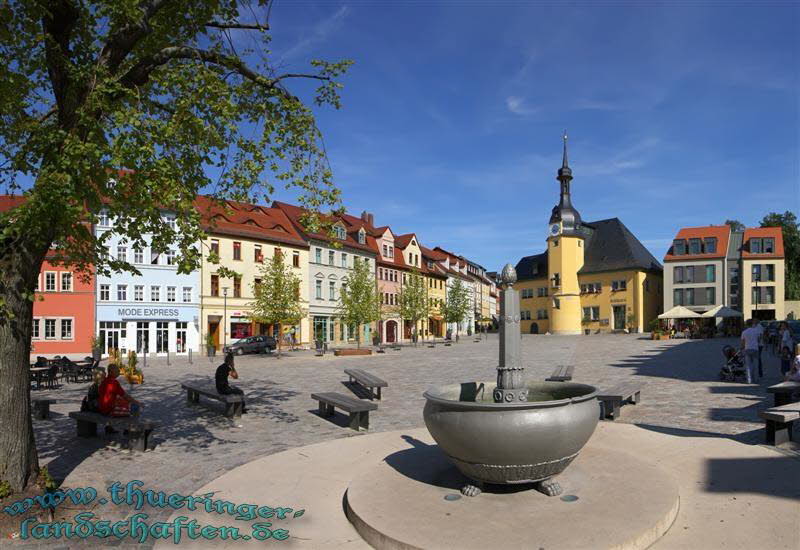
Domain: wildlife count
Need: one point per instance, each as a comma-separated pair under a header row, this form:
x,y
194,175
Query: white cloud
x,y
517,105
318,33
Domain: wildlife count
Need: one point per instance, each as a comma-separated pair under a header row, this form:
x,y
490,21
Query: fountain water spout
x,y
510,387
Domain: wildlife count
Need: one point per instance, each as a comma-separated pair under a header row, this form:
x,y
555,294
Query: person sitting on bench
x,y
221,378
91,402
113,400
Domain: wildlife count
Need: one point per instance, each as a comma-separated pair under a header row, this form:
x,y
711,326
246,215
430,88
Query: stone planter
x,y
97,354
135,379
349,351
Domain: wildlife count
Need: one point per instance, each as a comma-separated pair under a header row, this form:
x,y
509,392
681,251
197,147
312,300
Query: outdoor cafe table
x,y
783,392
38,372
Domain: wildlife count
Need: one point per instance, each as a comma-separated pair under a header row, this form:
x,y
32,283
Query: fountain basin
x,y
517,442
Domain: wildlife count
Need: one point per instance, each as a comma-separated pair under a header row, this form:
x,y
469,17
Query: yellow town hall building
x,y
593,276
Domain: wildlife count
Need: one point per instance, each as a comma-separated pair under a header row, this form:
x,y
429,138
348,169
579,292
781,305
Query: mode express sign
x,y
148,312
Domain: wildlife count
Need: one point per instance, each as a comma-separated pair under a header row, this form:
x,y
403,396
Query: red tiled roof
x,y
351,223
759,232
9,202
721,232
401,241
247,220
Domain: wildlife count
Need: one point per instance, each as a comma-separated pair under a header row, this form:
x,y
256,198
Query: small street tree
x,y
277,299
359,302
456,304
412,302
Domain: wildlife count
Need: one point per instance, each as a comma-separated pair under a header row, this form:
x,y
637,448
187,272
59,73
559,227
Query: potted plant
x,y
132,373
211,349
630,322
585,322
96,345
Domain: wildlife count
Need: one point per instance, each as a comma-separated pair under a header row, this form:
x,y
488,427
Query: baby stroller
x,y
734,365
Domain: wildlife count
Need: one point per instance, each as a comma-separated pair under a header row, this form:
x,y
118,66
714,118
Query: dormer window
x,y
362,236
694,246
102,218
338,230
755,246
710,245
768,246
678,247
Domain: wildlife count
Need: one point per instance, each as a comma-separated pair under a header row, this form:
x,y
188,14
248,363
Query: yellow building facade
x,y
243,239
594,276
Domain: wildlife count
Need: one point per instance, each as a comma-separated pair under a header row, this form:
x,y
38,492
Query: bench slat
x,y
778,416
620,391
100,419
366,379
210,390
341,401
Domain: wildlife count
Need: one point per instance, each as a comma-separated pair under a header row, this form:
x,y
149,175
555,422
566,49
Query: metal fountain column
x,y
510,387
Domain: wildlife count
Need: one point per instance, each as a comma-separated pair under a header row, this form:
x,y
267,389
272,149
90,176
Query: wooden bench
x,y
783,392
779,422
358,409
138,430
41,408
612,399
233,403
367,380
561,374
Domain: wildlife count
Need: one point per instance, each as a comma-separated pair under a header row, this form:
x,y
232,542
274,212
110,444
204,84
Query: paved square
x,y
681,394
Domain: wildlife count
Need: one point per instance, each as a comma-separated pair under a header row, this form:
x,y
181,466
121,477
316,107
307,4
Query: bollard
x,y
190,356
167,358
144,360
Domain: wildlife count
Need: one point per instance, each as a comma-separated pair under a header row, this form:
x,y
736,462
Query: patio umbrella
x,y
679,312
722,311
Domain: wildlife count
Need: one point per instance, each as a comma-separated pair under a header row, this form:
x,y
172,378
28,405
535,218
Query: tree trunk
x,y
280,337
19,268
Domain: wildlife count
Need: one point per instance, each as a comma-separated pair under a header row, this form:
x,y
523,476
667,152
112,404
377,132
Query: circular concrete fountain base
x,y
412,500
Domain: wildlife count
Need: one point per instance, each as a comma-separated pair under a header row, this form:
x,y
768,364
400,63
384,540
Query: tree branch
x,y
298,75
140,73
122,42
235,25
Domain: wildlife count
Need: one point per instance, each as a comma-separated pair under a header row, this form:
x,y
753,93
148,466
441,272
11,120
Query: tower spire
x,y
564,211
564,158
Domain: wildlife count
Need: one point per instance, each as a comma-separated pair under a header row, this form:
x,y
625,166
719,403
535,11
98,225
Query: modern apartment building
x,y
710,266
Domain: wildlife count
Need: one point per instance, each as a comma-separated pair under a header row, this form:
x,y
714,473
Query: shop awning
x,y
679,312
722,311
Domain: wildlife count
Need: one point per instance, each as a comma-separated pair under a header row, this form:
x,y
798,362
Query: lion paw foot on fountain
x,y
549,487
470,490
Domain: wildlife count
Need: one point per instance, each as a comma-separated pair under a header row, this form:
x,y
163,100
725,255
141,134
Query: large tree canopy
x,y
134,106
791,249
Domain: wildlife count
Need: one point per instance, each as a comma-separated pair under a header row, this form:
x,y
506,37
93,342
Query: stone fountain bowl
x,y
509,443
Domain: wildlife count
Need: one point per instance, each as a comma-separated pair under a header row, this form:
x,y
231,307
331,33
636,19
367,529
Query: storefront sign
x,y
148,312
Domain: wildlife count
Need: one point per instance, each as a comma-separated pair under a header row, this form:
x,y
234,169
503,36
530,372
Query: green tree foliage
x,y
277,297
412,302
736,225
791,249
135,106
359,301
456,304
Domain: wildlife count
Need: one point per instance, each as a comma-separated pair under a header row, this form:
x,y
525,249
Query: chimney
x,y
367,217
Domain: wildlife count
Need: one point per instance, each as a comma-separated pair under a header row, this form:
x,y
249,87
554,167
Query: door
x,y
113,335
619,317
391,331
213,330
162,337
142,338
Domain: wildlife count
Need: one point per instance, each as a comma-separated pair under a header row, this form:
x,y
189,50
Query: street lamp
x,y
224,317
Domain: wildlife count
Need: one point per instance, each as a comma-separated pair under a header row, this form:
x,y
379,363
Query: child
x,y
91,403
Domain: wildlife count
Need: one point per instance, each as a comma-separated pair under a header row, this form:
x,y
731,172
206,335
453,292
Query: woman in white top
x,y
787,341
794,373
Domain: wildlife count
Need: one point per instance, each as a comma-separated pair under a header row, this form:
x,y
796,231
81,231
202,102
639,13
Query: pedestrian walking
x,y
750,342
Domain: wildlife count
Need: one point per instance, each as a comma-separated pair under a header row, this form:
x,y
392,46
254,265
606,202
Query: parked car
x,y
252,344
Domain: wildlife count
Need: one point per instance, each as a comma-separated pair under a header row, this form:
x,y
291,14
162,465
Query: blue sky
x,y
678,115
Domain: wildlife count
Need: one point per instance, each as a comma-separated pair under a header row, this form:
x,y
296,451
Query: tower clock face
x,y
555,229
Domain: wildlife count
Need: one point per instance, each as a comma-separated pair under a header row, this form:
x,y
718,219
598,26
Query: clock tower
x,y
565,249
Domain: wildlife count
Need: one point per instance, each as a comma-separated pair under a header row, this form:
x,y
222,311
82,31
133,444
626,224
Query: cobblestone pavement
x,y
681,394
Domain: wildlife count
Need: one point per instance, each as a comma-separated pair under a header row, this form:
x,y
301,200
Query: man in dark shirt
x,y
221,378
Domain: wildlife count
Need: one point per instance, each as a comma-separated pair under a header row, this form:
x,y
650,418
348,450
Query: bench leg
x,y
364,420
379,393
87,429
41,411
778,432
355,421
635,398
137,440
325,410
